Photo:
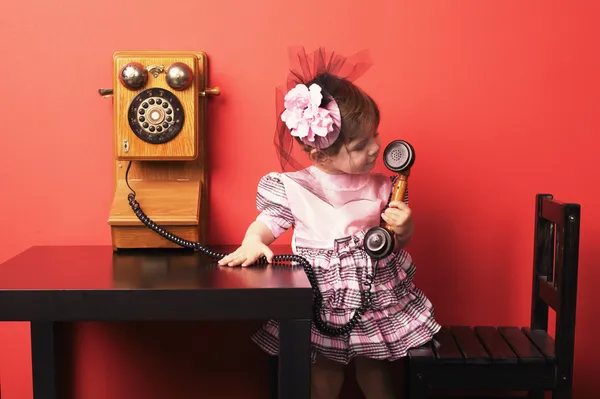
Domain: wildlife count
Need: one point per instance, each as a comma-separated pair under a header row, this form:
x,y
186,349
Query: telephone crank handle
x,y
210,91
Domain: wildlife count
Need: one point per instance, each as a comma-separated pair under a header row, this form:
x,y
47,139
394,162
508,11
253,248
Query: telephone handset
x,y
378,242
398,157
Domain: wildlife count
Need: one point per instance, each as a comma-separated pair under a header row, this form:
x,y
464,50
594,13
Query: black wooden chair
x,y
493,359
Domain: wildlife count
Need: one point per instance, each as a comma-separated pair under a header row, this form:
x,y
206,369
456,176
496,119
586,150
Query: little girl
x,y
331,204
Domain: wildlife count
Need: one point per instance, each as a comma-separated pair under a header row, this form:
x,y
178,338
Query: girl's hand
x,y
247,253
399,216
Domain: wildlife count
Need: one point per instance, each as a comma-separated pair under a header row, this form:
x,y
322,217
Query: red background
x,y
499,98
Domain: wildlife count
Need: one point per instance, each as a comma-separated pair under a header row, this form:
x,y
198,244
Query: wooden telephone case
x,y
160,115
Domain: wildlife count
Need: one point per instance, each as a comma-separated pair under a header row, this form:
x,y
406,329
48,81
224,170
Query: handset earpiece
x,y
398,157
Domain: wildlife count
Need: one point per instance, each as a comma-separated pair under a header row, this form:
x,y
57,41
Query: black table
x,y
53,285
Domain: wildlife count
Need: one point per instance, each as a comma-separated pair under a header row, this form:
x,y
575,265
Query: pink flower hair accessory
x,y
316,126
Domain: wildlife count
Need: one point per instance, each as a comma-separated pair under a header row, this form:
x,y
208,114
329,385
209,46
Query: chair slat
x,y
496,346
521,345
472,349
422,353
447,349
543,341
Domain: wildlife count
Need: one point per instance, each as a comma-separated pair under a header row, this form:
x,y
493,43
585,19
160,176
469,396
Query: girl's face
x,y
356,157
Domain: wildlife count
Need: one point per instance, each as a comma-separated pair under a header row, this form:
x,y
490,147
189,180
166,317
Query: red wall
x,y
499,93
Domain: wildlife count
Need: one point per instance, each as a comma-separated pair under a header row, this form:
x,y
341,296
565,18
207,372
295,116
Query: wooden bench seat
x,y
485,357
515,358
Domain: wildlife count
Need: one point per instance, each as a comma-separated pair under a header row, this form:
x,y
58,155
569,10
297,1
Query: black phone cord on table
x,y
366,295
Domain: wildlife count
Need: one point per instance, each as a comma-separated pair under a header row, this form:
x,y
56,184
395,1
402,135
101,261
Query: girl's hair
x,y
335,75
359,112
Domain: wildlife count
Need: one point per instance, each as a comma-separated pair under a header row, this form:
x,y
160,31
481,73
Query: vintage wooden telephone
x,y
160,120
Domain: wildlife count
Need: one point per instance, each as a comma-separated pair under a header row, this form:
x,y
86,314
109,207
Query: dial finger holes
x,y
156,115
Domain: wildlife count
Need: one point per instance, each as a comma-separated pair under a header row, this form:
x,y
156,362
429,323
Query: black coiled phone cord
x,y
366,295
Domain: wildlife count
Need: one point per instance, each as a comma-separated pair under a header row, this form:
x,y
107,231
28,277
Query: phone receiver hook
x,y
106,93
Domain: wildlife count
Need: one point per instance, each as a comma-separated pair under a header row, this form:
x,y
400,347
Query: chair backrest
x,y
555,269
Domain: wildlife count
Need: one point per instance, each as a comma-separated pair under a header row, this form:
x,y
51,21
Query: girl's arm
x,y
402,241
258,231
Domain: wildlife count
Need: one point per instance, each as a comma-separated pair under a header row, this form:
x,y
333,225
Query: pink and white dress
x,y
329,225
